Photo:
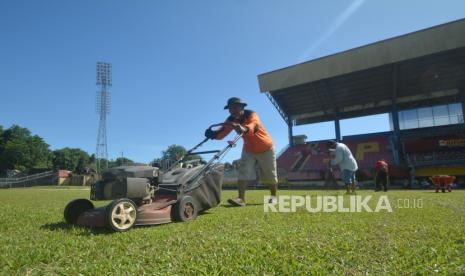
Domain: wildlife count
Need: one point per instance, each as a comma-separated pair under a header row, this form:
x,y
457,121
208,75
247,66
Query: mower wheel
x,y
185,209
121,214
75,208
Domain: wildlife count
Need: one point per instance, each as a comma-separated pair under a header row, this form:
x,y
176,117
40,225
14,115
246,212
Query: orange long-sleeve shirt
x,y
256,139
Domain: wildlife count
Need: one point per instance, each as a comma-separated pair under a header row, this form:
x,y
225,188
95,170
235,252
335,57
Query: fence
x,y
26,181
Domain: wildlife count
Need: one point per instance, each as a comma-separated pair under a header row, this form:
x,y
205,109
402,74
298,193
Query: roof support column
x,y
395,116
395,119
289,127
462,98
396,138
337,127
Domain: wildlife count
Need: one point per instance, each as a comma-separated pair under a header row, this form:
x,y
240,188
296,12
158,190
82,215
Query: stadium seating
x,y
308,161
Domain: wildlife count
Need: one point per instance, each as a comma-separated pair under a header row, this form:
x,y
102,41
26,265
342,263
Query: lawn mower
x,y
142,195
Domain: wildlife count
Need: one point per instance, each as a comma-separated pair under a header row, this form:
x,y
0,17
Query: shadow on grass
x,y
63,226
204,212
247,205
90,231
434,192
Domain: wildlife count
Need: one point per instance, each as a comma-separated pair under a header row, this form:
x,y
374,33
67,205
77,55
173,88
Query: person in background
x,y
340,155
381,175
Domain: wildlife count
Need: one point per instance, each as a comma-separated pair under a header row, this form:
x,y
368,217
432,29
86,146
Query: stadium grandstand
x,y
417,78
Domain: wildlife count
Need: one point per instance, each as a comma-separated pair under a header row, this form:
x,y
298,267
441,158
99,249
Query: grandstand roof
x,y
421,68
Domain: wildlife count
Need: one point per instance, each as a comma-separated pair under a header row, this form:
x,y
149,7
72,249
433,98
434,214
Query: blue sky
x,y
175,63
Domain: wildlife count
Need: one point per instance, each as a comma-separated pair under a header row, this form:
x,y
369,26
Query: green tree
x,y
1,139
120,161
15,155
40,153
20,150
72,159
172,154
16,132
91,163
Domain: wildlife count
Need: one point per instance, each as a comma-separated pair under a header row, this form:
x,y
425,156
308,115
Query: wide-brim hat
x,y
234,100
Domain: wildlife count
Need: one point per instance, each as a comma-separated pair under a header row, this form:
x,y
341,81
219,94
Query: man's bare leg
x,y
242,185
273,192
240,200
273,189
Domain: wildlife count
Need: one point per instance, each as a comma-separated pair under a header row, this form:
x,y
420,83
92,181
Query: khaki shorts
x,y
266,162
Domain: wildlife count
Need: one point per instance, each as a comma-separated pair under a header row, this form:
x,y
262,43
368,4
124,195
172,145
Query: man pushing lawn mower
x,y
258,148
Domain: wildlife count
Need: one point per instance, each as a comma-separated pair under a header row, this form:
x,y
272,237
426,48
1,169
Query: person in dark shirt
x,y
381,175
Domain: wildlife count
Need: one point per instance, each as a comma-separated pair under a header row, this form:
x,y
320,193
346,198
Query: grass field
x,y
35,240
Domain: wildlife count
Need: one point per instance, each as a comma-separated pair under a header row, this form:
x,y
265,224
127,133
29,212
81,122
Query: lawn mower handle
x,y
215,125
191,151
216,158
204,140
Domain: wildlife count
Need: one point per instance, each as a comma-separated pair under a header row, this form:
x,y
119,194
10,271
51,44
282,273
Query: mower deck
x,y
157,212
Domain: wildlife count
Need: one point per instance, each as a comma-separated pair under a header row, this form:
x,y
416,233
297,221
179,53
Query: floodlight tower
x,y
103,109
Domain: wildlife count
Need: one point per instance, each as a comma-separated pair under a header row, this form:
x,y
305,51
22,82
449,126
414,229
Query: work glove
x,y
211,134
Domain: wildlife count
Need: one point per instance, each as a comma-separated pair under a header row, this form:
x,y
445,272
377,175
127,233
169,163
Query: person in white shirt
x,y
340,155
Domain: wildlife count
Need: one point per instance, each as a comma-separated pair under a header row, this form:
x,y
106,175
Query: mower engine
x,y
135,182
